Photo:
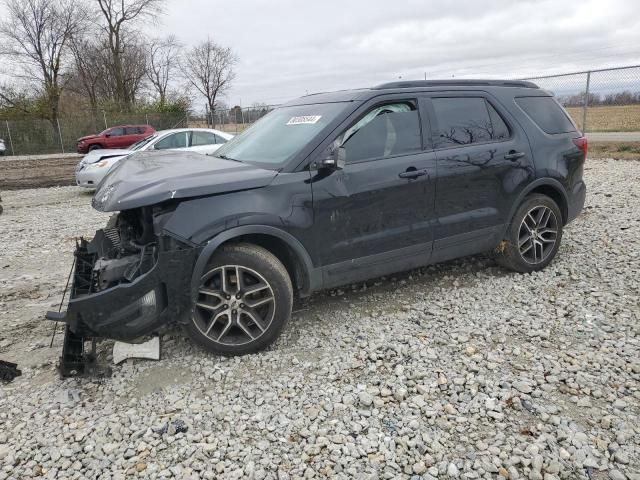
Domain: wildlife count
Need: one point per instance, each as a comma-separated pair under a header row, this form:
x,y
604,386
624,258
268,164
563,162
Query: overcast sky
x,y
289,47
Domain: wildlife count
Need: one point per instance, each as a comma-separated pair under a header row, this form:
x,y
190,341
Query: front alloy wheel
x,y
243,301
235,306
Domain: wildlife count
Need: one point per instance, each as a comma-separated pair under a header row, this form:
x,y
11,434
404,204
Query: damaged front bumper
x,y
124,298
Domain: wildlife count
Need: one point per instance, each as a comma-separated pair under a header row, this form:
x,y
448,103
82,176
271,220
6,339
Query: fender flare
x,y
540,182
213,244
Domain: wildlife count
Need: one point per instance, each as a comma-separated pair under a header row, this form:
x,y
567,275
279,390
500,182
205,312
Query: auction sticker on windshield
x,y
305,119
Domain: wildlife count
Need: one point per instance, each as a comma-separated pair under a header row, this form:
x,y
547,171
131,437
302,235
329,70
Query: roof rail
x,y
456,83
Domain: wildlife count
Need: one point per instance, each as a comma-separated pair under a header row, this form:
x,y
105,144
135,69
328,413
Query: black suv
x,y
326,190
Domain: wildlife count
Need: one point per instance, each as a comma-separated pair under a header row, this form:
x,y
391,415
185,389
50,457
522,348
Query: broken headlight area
x,y
127,282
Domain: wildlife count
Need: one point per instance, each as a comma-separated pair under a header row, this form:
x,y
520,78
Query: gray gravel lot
x,y
460,370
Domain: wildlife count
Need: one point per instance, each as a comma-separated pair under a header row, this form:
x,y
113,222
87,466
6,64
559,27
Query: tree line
x,y
66,56
625,97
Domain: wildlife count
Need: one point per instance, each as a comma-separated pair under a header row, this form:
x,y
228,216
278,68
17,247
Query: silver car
x,y
97,163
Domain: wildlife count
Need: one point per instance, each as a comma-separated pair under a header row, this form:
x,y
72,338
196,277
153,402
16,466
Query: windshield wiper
x,y
224,157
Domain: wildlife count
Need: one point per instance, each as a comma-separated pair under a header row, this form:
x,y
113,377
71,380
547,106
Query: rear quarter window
x,y
547,114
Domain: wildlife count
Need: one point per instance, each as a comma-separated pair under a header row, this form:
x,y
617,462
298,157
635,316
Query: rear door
x,y
374,216
131,135
483,160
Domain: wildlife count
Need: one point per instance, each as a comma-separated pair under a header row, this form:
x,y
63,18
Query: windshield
x,y
141,143
281,134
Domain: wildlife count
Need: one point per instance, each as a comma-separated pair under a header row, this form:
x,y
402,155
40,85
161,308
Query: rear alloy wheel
x,y
534,235
537,234
244,300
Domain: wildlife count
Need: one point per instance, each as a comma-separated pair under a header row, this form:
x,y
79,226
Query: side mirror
x,y
108,134
333,157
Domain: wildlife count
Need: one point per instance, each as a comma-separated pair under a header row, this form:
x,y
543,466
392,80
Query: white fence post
x,y
60,135
10,139
586,103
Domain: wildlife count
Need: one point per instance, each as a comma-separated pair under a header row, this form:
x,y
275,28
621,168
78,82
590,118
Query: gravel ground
x,y
460,370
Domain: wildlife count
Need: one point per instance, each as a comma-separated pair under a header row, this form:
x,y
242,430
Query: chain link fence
x,y
233,120
32,136
606,100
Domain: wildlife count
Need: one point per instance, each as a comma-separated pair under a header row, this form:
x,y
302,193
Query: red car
x,y
115,137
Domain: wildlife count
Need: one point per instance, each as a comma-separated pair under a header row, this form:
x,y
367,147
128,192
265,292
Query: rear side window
x,y
202,138
174,140
547,114
467,120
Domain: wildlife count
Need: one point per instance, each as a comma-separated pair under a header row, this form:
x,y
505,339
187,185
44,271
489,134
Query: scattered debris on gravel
x,y
460,370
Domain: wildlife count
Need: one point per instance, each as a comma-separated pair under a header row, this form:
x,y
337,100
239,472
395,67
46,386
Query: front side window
x,y
385,131
174,140
202,138
116,132
467,120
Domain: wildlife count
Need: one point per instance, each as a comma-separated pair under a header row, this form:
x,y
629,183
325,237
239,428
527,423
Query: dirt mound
x,y
20,174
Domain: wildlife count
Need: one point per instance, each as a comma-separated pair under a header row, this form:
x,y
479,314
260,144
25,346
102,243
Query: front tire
x,y
244,301
533,237
95,146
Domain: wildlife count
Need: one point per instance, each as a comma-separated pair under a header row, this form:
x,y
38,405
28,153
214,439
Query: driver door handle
x,y
414,173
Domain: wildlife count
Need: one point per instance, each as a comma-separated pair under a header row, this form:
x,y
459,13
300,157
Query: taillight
x,y
581,143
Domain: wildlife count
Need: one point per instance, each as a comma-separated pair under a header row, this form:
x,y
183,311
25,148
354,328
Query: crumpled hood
x,y
148,178
101,153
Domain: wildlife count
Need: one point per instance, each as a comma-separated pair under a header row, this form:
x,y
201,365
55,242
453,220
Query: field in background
x,y
613,118
609,118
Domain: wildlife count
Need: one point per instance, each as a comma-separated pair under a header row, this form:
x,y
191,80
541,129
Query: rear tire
x,y
244,301
533,237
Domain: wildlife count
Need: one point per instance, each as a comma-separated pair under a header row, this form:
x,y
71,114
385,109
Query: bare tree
x,y
209,69
163,56
118,16
13,98
90,71
37,35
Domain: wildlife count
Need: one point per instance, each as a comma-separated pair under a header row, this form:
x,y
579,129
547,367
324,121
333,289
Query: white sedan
x,y
95,165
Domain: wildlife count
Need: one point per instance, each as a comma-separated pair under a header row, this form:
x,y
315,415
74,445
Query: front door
x,y
374,216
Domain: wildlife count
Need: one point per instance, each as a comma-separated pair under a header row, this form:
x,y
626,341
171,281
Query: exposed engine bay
x,y
128,281
125,249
